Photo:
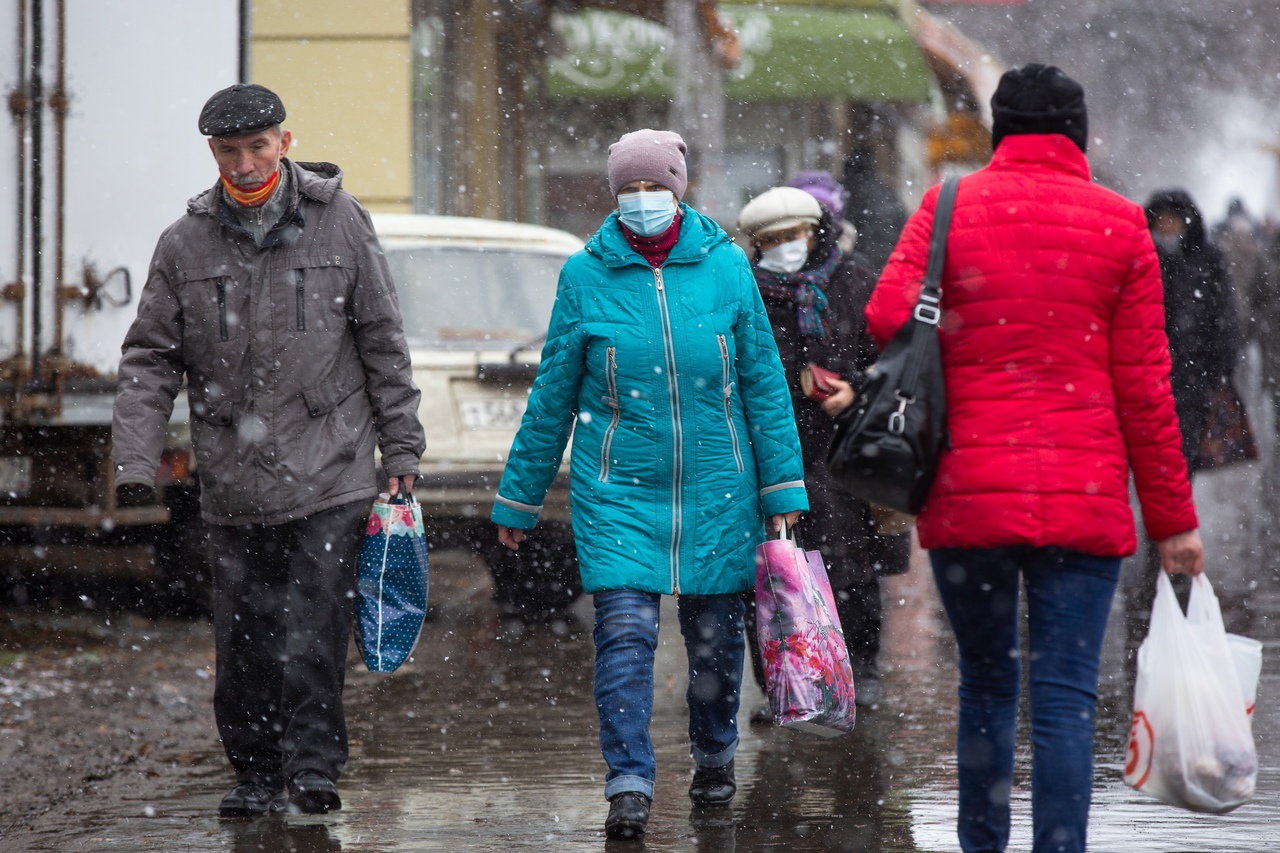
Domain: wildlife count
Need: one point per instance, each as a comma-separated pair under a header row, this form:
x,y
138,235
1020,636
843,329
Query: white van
x,y
476,297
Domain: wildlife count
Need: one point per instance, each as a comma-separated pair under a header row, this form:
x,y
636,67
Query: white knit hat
x,y
778,209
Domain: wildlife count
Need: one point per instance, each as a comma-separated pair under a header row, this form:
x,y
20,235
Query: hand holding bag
x,y
886,445
391,582
807,674
1191,740
817,383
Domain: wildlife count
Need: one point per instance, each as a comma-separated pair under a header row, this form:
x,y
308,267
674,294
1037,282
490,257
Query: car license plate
x,y
15,476
501,413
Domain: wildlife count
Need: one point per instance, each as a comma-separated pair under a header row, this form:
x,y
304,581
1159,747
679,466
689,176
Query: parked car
x,y
476,297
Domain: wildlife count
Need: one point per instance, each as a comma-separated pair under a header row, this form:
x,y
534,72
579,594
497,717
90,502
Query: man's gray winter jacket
x,y
294,356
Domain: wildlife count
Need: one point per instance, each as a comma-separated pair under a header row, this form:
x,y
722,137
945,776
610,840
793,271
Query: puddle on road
x,y
486,741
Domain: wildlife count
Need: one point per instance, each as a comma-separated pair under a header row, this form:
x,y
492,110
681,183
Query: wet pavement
x,y
486,741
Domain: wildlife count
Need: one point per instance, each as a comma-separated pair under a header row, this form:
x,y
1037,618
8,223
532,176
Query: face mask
x,y
1169,244
786,258
647,214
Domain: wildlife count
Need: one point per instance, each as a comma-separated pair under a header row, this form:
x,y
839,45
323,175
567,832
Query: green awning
x,y
788,54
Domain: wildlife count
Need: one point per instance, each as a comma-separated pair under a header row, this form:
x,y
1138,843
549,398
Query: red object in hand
x,y
817,383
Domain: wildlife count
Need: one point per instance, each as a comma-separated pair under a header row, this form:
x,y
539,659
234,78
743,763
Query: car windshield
x,y
463,298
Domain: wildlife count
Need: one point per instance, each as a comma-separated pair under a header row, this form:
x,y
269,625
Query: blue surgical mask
x,y
647,214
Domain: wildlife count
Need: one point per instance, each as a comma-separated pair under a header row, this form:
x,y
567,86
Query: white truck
x,y
103,155
476,296
100,156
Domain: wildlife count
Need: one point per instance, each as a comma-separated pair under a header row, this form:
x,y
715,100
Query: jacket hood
x,y
698,236
318,181
1179,203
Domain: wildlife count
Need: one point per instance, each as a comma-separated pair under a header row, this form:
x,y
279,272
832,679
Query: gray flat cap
x,y
242,108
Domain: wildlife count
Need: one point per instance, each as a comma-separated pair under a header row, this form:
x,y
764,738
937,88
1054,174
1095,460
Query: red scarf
x,y
252,198
656,248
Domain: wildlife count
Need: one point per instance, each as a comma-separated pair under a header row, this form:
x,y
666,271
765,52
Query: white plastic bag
x,y
1191,741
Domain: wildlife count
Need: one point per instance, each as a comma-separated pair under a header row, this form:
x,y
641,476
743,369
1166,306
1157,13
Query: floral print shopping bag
x,y
807,673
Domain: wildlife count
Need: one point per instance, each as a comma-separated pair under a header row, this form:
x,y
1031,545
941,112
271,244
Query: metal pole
x,y
243,60
19,105
58,101
697,108
37,180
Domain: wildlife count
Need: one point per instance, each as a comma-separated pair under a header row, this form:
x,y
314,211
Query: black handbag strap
x,y
931,290
928,310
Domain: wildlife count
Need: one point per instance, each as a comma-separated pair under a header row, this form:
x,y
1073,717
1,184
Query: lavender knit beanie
x,y
648,155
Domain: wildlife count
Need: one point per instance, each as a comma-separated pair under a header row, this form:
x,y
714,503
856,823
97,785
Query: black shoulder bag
x,y
886,444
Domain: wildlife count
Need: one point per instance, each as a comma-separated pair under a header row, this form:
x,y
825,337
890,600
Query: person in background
x,y
1204,339
1056,368
873,207
1240,238
1199,308
830,195
271,298
660,361
815,295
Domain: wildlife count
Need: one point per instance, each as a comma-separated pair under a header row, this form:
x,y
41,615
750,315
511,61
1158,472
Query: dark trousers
x,y
1068,599
861,615
282,616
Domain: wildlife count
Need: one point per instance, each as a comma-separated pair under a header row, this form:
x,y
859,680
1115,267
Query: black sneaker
x,y
628,816
713,786
247,799
310,792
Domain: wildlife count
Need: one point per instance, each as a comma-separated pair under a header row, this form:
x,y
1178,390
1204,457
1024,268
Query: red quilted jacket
x,y
1055,359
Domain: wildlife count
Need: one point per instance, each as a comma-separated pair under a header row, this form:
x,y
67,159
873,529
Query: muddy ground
x,y
102,702
93,700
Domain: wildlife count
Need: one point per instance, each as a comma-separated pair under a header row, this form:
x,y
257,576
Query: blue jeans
x,y
626,635
1068,598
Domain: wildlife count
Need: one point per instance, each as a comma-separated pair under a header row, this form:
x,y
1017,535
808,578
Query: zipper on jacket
x,y
728,401
677,436
222,307
611,379
302,300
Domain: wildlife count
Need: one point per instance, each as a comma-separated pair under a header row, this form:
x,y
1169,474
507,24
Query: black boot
x,y
311,792
628,815
713,786
247,799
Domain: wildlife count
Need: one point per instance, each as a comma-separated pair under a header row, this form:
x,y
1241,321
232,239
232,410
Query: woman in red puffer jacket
x,y
1056,368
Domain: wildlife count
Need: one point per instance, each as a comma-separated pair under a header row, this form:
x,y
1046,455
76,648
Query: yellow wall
x,y
343,70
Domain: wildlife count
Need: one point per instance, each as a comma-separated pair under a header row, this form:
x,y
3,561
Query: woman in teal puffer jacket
x,y
661,361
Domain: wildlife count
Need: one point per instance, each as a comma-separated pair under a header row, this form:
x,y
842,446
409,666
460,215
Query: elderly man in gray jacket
x,y
272,297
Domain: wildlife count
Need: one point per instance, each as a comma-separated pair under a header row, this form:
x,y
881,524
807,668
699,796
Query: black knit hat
x,y
1039,99
242,108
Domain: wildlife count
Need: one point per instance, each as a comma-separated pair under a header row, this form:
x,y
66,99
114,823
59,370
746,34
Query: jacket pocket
x,y
214,437
320,284
222,308
300,278
611,400
216,412
726,368
322,401
212,306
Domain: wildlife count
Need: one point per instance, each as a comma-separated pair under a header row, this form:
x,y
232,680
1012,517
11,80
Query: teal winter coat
x,y
683,434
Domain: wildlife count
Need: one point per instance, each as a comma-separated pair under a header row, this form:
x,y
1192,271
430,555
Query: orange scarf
x,y
252,198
